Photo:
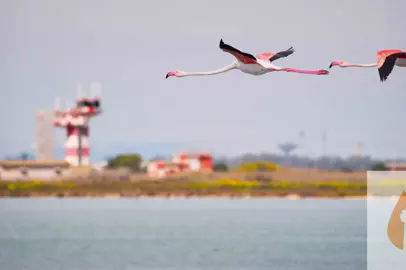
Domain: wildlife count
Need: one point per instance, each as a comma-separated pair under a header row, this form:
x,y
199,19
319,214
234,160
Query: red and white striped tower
x,y
75,121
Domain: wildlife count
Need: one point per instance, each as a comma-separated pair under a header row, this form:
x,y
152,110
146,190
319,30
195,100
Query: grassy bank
x,y
216,187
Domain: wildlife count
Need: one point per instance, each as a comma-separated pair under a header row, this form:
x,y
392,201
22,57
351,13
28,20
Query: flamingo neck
x,y
360,65
212,72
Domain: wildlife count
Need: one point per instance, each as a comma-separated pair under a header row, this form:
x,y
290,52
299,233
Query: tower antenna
x,y
95,89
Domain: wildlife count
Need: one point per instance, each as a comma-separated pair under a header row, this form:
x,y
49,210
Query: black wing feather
x,y
386,69
224,46
282,54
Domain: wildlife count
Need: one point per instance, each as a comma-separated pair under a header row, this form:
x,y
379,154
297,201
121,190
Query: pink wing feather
x,y
265,56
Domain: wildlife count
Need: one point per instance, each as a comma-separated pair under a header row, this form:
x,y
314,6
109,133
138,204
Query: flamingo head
x,y
176,73
336,63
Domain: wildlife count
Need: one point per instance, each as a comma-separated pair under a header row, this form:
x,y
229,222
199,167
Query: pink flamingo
x,y
386,61
247,63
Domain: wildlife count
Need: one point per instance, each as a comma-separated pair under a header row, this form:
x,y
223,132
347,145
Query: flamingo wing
x,y
282,54
243,57
386,62
265,56
270,56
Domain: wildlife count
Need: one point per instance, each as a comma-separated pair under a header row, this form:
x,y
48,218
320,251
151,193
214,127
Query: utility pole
x,y
359,149
323,146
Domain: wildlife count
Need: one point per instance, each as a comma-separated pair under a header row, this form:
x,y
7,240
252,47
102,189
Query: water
x,y
182,234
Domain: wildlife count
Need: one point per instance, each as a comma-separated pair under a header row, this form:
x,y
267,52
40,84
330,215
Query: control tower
x,y
75,121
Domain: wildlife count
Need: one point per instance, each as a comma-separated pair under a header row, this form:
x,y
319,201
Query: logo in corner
x,y
396,225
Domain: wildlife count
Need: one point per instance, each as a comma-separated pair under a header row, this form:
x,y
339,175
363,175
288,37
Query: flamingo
x,y
386,61
247,63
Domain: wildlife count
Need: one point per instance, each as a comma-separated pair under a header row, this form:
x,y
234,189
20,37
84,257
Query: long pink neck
x,y
312,72
213,72
359,65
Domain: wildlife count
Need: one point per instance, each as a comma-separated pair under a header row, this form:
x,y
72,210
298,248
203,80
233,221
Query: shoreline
x,y
117,195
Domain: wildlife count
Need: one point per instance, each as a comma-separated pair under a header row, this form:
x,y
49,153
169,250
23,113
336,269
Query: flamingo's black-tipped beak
x,y
167,75
330,65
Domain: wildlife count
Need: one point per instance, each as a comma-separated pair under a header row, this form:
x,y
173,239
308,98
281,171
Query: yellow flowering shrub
x,y
37,185
341,184
200,185
235,183
258,166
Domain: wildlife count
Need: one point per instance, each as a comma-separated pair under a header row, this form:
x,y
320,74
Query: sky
x,y
48,46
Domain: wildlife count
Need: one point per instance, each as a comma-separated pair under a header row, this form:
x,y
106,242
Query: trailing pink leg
x,y
313,72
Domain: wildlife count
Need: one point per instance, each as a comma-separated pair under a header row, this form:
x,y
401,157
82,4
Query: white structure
x,y
44,136
27,170
100,166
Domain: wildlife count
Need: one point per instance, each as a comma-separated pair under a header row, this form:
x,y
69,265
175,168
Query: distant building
x,y
163,168
100,166
196,162
182,162
396,166
32,170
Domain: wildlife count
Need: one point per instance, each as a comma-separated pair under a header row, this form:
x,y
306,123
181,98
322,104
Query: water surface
x,y
255,234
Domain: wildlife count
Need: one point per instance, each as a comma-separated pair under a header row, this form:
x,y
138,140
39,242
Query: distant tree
x,y
379,166
346,169
24,156
131,161
220,167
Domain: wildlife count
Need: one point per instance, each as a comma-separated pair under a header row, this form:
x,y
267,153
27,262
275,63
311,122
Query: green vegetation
x,y
216,187
130,161
379,166
220,167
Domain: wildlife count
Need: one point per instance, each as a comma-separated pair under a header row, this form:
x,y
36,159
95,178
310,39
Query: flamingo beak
x,y
167,75
330,65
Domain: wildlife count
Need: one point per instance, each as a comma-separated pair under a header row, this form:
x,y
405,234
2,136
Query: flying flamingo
x,y
386,61
247,63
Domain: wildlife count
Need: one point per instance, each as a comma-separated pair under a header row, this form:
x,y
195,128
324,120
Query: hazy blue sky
x,y
47,46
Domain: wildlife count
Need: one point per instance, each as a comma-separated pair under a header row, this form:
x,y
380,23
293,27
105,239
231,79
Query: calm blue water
x,y
185,234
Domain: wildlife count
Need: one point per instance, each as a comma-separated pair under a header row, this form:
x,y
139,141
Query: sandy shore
x,y
186,195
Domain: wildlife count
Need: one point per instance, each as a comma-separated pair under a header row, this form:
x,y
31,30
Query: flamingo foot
x,y
323,72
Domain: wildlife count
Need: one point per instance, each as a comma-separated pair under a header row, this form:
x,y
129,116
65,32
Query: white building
x,y
32,170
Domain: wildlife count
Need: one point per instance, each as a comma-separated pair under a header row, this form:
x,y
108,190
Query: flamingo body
x,y
254,65
247,63
401,62
255,69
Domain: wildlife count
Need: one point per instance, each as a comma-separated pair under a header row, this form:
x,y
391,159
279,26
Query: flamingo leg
x,y
311,72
